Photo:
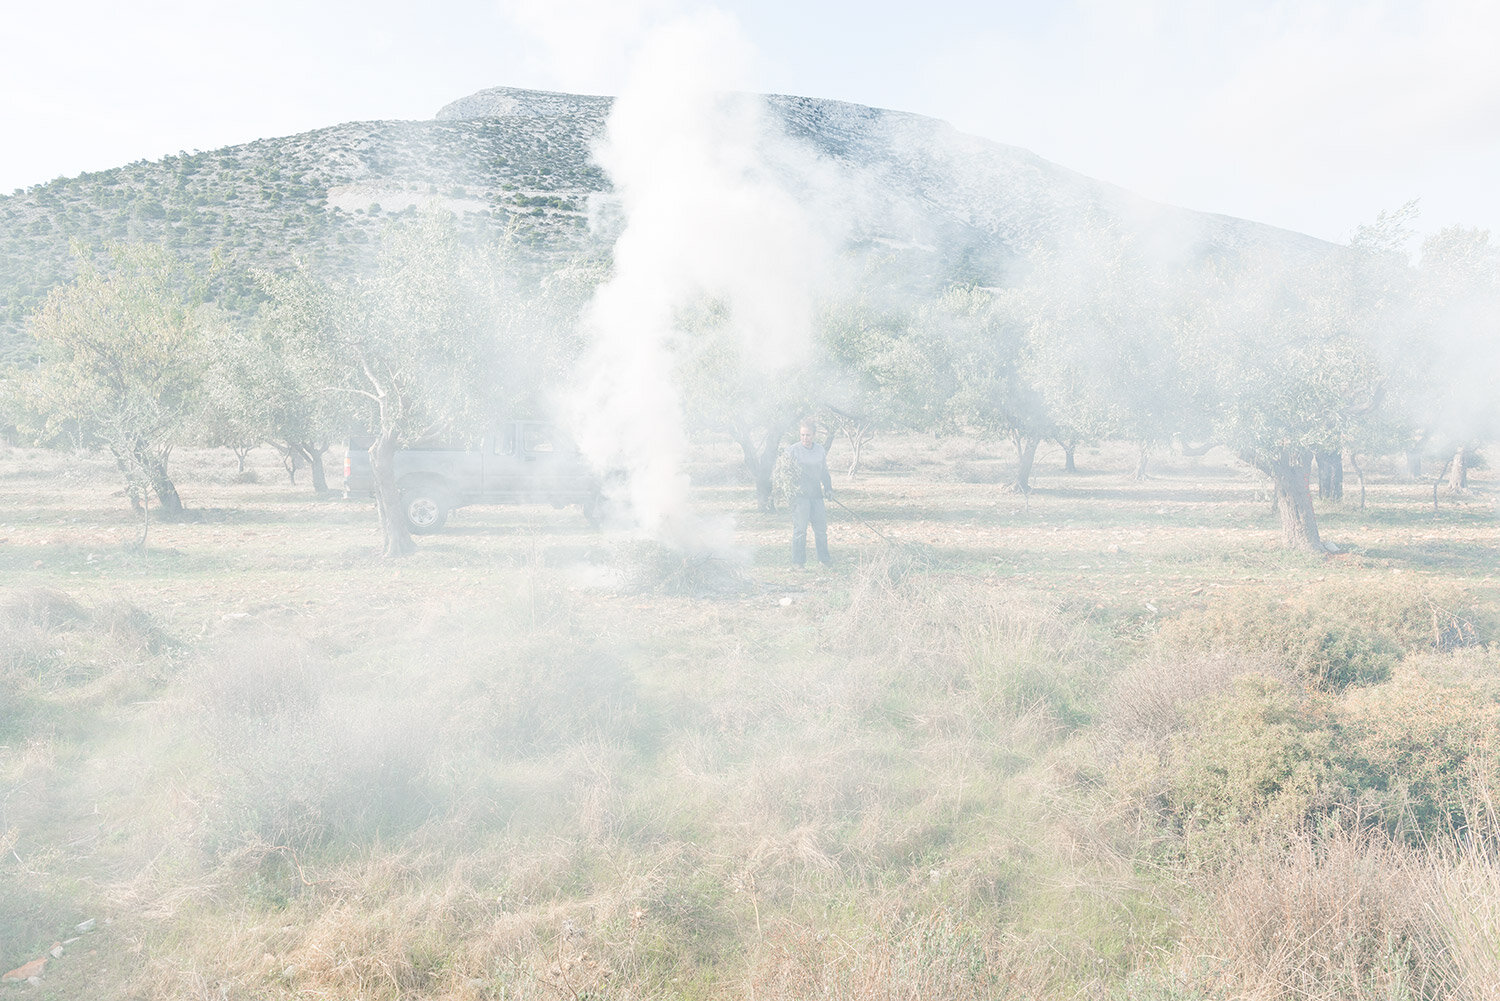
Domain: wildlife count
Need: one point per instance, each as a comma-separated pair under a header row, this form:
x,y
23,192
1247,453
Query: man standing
x,y
809,462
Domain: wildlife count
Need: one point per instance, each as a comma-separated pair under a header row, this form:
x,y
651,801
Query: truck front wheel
x,y
424,508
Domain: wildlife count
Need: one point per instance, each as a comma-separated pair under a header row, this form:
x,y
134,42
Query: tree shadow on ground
x,y
1452,556
1240,493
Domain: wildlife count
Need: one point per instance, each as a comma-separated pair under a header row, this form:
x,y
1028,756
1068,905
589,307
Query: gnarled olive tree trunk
x,y
761,462
398,540
1458,470
145,469
1025,458
164,488
296,454
1290,471
315,463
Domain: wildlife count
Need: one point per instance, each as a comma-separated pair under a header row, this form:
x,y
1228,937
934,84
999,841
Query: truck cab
x,y
517,462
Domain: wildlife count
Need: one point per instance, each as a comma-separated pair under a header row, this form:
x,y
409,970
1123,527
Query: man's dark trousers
x,y
809,511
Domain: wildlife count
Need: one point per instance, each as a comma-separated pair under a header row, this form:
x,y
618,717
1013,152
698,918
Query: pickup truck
x,y
520,462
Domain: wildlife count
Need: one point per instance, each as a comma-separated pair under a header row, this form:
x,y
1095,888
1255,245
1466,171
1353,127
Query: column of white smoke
x,y
705,215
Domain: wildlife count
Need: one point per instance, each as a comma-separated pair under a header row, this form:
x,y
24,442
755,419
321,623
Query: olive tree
x,y
1292,371
1458,292
1101,340
983,336
257,392
416,339
876,371
121,364
728,389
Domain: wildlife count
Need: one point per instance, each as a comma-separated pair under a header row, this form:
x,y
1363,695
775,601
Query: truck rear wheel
x,y
424,508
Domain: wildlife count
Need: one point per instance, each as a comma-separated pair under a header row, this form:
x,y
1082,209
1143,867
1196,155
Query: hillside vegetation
x,y
519,162
320,196
1104,741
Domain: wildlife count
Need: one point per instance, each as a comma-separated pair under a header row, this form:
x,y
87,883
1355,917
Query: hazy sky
x,y
1309,115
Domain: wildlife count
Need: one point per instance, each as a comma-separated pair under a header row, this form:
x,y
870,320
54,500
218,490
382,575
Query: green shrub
x,y
1419,753
1265,750
1408,755
1335,635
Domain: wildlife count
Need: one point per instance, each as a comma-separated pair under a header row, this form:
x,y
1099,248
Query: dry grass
x,y
937,770
1352,916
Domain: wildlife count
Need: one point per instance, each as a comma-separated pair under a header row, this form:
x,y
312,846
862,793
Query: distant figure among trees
x,y
808,484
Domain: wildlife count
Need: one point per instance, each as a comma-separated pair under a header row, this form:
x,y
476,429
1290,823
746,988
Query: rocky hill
x,y
947,206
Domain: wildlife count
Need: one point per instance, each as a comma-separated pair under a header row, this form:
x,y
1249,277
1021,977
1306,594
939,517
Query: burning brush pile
x,y
646,567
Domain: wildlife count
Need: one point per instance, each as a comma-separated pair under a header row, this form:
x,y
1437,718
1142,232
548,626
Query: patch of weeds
x,y
339,777
1143,985
260,676
935,954
1264,750
1335,635
1345,899
131,629
982,472
893,605
44,609
54,649
300,768
1024,658
534,695
1149,700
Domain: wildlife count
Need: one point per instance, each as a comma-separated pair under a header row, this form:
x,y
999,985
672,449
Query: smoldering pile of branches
x,y
646,567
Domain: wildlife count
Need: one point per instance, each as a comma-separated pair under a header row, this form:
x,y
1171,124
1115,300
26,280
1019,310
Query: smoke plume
x,y
698,168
